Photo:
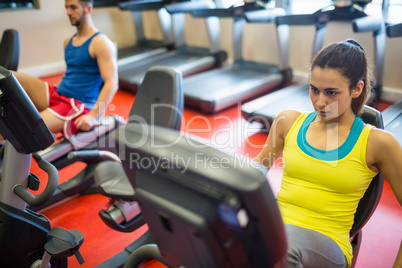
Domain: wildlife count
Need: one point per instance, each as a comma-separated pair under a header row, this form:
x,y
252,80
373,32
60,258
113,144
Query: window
x,y
392,12
228,3
16,4
305,7
389,9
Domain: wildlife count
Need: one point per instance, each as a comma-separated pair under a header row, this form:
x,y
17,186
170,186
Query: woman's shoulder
x,y
381,142
289,115
381,137
285,120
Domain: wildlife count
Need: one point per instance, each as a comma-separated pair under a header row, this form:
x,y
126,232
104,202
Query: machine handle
x,y
140,5
184,7
235,11
83,154
299,19
368,24
394,30
53,179
266,15
100,155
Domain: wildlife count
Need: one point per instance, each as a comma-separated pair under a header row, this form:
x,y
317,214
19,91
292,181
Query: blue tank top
x,y
82,80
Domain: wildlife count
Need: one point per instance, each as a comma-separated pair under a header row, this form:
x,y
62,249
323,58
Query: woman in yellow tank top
x,y
322,152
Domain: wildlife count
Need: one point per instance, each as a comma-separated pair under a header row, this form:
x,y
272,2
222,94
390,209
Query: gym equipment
x,y
99,138
187,59
144,47
203,207
159,101
218,89
10,49
393,114
371,198
189,202
26,238
266,108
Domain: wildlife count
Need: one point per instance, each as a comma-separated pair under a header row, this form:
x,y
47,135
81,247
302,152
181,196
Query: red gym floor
x,y
381,236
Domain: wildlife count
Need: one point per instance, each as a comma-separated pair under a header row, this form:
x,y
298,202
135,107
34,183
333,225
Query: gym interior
x,y
229,38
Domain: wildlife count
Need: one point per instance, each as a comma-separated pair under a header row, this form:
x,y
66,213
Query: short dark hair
x,y
350,59
90,2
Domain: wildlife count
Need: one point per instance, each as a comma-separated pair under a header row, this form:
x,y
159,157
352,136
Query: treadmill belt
x,y
267,108
187,61
218,89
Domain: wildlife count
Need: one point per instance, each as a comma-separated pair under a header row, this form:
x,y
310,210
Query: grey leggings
x,y
309,248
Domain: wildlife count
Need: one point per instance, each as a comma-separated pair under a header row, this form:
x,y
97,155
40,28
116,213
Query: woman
x,y
329,158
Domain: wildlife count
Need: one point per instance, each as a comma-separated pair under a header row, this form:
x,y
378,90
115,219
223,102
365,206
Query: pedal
x,y
123,218
64,243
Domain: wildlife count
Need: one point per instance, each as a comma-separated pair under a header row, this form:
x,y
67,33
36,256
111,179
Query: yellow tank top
x,y
320,190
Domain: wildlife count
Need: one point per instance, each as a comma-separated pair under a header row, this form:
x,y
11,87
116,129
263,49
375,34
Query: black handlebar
x,y
394,30
53,179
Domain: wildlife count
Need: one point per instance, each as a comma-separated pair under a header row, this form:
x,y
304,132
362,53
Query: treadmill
x,y
392,116
144,48
266,108
218,89
186,59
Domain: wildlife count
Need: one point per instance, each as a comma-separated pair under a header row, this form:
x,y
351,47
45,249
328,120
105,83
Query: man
x,y
90,80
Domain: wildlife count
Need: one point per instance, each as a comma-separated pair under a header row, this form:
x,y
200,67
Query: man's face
x,y
75,11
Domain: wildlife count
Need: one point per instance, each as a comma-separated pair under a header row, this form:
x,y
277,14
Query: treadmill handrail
x,y
186,7
368,24
140,5
296,19
267,15
322,16
232,11
105,3
394,30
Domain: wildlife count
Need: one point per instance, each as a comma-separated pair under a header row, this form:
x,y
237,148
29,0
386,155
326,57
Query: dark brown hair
x,y
350,59
87,2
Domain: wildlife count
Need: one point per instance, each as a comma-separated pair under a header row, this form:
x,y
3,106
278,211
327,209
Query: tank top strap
x,y
329,155
87,42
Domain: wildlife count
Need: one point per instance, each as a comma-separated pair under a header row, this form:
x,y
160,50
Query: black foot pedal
x,y
126,227
64,243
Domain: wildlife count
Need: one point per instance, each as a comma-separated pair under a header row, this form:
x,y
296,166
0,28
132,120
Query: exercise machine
x,y
97,139
203,207
393,114
144,47
189,204
26,238
57,153
218,89
187,59
159,101
266,108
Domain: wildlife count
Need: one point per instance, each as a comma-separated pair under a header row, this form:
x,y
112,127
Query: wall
x,y
43,31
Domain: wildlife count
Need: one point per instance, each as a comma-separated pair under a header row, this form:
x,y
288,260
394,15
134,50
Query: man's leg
x,y
54,123
35,88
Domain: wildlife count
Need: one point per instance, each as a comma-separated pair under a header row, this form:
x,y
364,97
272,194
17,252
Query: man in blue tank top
x,y
90,80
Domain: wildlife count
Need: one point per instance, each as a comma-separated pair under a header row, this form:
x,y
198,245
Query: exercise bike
x,y
97,139
26,237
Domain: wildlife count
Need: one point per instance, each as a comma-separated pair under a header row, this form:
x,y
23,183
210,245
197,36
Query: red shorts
x,y
65,108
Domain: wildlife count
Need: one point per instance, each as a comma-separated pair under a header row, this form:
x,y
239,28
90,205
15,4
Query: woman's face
x,y
330,94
